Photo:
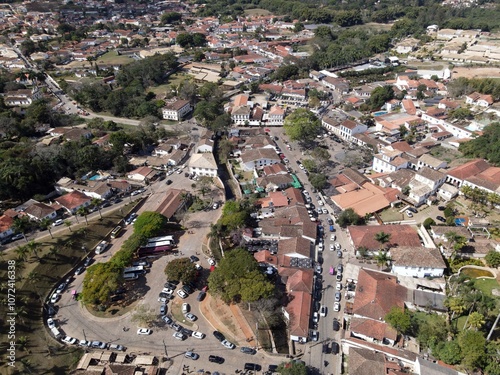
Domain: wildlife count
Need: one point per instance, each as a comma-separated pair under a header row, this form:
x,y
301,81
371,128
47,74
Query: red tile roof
x,y
401,235
376,294
375,329
469,169
5,223
72,200
299,310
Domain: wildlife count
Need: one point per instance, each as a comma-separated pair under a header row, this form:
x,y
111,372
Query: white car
x,y
305,192
409,213
144,331
57,222
338,286
69,340
55,297
301,166
315,317
185,308
320,202
228,344
211,261
331,247
320,246
101,247
179,336
322,311
314,335
336,306
198,266
198,335
50,323
167,290
333,237
182,294
337,246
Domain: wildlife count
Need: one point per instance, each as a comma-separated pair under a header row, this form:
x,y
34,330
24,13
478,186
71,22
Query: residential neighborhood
x,y
251,189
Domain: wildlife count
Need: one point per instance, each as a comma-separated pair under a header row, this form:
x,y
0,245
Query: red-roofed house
x,y
457,175
6,229
141,174
376,294
479,99
73,201
172,203
298,314
400,235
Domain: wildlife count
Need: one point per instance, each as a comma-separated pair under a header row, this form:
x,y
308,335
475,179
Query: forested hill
x,y
347,13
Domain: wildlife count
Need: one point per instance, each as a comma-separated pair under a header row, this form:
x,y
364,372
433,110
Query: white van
x,y
56,332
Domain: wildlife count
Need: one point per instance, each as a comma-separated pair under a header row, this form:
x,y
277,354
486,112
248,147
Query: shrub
x,y
428,223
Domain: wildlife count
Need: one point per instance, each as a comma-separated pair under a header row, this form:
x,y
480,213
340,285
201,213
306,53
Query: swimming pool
x,y
379,113
460,221
95,177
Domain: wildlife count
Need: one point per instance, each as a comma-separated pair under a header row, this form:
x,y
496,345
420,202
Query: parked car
x,y
409,213
314,335
61,287
219,336
186,308
228,344
55,297
163,309
117,347
441,219
17,236
336,324
84,343
192,355
322,311
338,296
181,293
179,336
191,317
69,340
50,323
336,307
79,270
167,319
87,261
211,261
338,286
216,359
252,367
144,331
315,317
247,350
98,345
198,335
57,222
103,245
413,209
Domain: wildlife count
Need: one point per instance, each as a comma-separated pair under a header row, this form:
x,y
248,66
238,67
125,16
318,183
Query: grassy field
x,y
257,12
112,57
36,275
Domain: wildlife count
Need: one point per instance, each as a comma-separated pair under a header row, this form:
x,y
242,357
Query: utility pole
x,y
165,348
257,335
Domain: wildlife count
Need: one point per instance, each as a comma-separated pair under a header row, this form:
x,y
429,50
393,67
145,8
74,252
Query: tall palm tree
x,y
456,242
96,202
33,248
382,238
83,211
22,252
382,259
46,224
475,321
54,250
68,224
21,225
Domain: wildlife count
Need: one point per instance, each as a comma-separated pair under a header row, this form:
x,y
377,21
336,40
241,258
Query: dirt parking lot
x,y
475,72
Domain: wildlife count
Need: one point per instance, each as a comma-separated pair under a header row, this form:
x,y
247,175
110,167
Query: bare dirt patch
x,y
476,72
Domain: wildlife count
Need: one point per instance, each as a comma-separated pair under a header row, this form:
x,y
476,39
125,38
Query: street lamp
x,y
257,335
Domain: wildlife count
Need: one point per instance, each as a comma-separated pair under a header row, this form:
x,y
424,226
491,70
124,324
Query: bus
x,y
161,238
158,243
116,231
159,250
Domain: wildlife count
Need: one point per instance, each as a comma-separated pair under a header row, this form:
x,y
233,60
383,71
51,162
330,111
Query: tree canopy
x,y
150,224
238,278
398,319
349,217
302,125
486,146
181,269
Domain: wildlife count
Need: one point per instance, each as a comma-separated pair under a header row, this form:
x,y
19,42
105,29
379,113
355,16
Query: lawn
x,y
257,12
112,57
390,215
36,276
487,285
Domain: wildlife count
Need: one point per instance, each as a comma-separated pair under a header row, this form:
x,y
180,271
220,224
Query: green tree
x,y
238,278
21,225
473,345
492,258
68,224
349,217
46,224
181,269
398,319
449,352
318,180
382,238
100,280
428,223
33,248
321,155
22,252
310,165
455,242
83,211
475,320
382,259
302,125
96,202
150,224
380,96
